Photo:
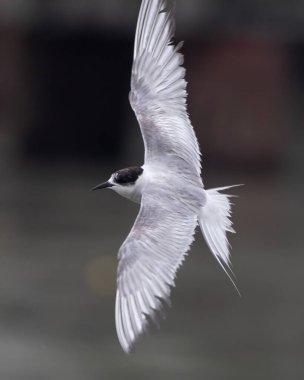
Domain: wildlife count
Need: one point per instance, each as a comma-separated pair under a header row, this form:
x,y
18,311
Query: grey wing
x,y
148,261
158,88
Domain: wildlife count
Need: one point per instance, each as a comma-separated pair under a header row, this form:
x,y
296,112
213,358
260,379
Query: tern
x,y
168,186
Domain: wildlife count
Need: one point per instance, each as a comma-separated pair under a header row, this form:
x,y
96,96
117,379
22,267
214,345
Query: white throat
x,y
132,192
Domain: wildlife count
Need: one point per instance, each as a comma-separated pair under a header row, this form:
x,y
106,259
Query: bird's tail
x,y
215,222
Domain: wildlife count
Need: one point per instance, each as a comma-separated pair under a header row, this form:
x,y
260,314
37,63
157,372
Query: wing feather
x,y
148,261
158,88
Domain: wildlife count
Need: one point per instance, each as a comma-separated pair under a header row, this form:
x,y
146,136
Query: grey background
x,y
58,241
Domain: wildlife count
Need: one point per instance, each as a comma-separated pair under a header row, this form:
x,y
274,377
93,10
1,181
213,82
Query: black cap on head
x,y
128,176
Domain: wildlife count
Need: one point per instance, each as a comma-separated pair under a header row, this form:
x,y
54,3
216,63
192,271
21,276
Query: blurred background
x,y
66,125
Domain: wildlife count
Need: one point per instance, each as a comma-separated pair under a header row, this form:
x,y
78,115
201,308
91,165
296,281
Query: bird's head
x,y
124,182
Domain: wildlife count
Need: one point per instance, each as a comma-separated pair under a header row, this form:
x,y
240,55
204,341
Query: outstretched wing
x,y
158,88
148,261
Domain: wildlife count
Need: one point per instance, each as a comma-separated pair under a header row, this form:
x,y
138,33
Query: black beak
x,y
102,186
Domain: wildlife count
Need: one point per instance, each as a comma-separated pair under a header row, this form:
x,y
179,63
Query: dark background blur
x,y
66,125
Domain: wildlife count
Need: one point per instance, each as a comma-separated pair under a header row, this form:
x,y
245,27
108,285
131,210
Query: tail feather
x,y
215,222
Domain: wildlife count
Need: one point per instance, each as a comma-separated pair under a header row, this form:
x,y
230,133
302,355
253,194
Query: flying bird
x,y
168,186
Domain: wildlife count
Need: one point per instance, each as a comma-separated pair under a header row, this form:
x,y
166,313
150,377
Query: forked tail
x,y
215,222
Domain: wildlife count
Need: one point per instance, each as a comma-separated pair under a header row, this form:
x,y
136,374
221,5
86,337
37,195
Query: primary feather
x,y
158,88
148,261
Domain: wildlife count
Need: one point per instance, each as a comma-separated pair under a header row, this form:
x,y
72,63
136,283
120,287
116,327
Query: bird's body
x,y
168,185
163,178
